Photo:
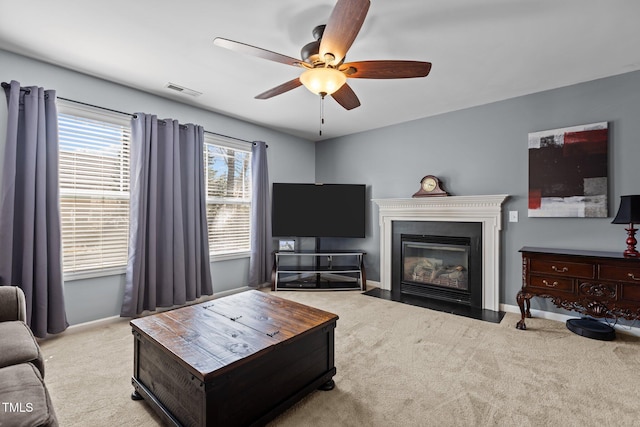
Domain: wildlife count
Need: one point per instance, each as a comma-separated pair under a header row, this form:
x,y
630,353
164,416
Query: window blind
x,y
228,182
94,192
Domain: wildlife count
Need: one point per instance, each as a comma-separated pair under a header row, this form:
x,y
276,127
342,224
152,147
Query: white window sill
x,y
230,256
69,277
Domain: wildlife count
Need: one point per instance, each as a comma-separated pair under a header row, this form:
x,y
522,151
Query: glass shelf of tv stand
x,y
319,270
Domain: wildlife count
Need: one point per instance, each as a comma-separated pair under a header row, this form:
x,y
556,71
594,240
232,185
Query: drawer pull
x,y
551,285
559,270
632,276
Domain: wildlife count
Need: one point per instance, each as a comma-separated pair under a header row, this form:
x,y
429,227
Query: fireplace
x,y
481,213
440,260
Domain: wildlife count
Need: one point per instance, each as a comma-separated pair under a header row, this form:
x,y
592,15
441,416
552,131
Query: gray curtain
x,y
30,210
261,258
168,244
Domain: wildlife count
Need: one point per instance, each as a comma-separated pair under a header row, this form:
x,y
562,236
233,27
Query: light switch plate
x,y
513,216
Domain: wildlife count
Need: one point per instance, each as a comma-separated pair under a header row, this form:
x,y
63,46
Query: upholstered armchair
x,y
24,399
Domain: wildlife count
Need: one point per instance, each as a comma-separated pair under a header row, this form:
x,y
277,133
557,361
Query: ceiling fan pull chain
x,y
321,112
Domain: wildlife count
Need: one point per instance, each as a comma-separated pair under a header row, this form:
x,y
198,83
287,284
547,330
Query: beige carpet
x,y
398,365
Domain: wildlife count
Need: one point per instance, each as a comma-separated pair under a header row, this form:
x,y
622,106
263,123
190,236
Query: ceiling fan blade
x,y
278,90
342,28
255,51
386,69
346,97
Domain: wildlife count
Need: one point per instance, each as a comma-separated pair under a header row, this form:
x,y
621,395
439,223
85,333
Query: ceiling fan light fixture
x,y
323,80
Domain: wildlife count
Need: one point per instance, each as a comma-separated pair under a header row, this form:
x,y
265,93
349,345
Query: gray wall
x,y
480,150
290,159
483,150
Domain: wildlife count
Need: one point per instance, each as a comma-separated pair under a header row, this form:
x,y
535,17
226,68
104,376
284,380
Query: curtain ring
x,y
23,89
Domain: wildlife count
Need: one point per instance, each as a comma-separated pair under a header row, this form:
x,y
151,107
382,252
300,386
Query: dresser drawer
x,y
554,283
620,273
598,291
631,293
563,268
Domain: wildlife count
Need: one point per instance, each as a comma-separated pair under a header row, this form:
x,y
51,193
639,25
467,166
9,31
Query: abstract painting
x,y
568,172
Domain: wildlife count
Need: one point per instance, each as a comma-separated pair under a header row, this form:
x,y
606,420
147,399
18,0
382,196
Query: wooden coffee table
x,y
237,360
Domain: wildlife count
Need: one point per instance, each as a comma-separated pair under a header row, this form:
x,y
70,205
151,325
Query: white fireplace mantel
x,y
483,209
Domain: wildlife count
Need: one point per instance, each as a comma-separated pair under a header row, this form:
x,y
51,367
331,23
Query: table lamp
x,y
629,213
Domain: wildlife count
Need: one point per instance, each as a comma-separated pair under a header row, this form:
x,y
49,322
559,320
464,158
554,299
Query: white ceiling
x,y
482,51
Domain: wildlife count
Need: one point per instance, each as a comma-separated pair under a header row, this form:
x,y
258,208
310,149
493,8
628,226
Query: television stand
x,y
318,270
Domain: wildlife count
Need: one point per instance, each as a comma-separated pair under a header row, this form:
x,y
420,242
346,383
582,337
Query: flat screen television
x,y
318,210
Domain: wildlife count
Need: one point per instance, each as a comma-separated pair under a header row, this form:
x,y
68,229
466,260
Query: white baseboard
x,y
630,330
372,284
116,319
230,292
79,327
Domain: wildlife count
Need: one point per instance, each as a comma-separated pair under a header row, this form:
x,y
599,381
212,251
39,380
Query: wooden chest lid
x,y
221,334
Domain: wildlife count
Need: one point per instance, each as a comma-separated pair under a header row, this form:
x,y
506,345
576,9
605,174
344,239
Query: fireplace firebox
x,y
438,260
437,263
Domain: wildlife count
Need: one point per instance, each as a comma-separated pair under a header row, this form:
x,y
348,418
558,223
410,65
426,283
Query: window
x,y
94,188
94,191
228,183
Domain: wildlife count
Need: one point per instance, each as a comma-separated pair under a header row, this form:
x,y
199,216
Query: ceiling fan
x,y
326,72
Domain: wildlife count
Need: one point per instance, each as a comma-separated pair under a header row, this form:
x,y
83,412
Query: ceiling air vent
x,y
183,90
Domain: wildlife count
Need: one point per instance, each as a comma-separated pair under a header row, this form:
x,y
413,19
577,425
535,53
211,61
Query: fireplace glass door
x,y
434,260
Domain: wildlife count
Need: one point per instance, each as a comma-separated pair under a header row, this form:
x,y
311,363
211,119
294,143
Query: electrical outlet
x,y
513,216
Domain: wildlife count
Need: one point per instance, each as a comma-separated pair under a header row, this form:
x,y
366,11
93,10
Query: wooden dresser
x,y
598,284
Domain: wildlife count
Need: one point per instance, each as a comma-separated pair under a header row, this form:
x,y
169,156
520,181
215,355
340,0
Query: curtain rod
x,y
96,106
6,85
134,116
23,89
